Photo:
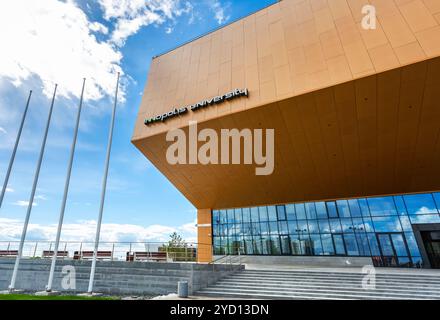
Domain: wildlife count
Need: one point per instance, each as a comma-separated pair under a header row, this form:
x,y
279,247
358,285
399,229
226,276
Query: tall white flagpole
x,y
31,200
14,151
104,186
66,191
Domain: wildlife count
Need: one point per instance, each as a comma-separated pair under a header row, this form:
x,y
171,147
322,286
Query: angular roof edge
x,y
212,31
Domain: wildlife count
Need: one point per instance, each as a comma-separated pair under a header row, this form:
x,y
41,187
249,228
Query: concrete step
x,y
292,287
327,284
349,294
271,284
340,274
298,296
332,280
333,277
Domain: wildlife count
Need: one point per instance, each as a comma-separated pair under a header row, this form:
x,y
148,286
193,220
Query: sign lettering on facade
x,y
200,105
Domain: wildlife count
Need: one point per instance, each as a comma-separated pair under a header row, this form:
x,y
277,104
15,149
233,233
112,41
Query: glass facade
x,y
370,227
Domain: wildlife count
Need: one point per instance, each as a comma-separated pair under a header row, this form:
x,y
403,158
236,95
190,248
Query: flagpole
x,y
66,191
14,152
104,186
31,200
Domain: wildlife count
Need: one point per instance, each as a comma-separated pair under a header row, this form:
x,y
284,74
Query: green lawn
x,y
32,297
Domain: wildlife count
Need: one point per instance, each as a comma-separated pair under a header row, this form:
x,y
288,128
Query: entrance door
x,y
431,240
394,250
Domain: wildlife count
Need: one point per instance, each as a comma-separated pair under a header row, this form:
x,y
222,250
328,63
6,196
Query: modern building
x,y
356,115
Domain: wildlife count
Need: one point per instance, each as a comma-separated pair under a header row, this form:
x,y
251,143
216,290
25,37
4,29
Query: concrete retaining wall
x,y
114,277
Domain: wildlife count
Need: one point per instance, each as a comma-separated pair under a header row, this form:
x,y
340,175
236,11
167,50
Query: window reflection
x,y
420,204
380,227
382,206
344,211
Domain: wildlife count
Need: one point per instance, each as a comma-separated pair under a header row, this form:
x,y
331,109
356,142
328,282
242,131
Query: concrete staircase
x,y
306,284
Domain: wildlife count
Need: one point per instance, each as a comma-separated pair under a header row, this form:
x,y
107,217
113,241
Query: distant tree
x,y
176,241
178,249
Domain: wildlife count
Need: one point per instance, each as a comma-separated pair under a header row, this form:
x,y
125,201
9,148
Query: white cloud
x,y
40,197
131,15
10,230
2,130
426,210
10,190
98,27
220,11
22,203
54,40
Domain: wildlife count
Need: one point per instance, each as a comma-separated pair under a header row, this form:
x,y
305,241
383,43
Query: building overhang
x,y
372,136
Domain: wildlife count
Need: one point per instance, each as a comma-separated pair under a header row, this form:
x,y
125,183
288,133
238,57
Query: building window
x,y
379,227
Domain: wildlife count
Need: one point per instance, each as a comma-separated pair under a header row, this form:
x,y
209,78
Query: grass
x,y
61,297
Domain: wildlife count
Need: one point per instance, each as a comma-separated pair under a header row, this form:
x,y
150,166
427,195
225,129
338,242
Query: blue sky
x,y
52,41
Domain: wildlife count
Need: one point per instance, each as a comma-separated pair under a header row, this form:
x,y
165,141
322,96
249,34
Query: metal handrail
x,y
36,249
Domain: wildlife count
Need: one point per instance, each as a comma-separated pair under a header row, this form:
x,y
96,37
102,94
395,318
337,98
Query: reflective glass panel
x,y
313,226
412,244
425,218
436,196
290,211
264,228
331,209
383,206
351,245
238,216
400,205
285,245
272,213
385,244
355,210
281,213
255,229
362,241
374,246
344,211
300,211
324,226
310,210
347,225
420,204
327,244
364,207
273,226
293,227
255,214
302,226
295,246
358,225
405,222
246,212
321,210
231,216
274,245
399,245
263,214
368,224
315,241
338,242
282,227
386,224
335,225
